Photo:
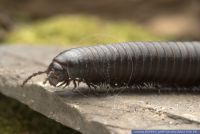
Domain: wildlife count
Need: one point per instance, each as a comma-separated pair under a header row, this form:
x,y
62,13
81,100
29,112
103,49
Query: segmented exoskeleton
x,y
127,64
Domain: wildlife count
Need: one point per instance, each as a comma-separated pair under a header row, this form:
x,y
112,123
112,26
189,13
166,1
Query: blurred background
x,y
78,22
86,22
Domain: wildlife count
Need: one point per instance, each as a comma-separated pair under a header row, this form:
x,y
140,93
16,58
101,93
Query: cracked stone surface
x,y
99,111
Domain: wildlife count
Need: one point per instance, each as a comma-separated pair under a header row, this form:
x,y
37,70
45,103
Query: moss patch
x,y
78,30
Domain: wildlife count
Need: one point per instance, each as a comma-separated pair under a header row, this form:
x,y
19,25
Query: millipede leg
x,y
78,81
92,85
61,84
66,83
88,85
75,85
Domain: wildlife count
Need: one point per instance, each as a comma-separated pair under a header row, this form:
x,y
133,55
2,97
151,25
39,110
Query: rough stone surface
x,y
94,112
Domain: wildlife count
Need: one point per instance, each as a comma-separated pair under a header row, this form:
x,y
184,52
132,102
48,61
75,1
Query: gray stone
x,y
93,112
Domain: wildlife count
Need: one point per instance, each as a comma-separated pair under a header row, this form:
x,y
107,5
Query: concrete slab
x,y
94,112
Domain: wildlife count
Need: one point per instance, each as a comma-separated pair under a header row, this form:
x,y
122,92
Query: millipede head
x,y
55,74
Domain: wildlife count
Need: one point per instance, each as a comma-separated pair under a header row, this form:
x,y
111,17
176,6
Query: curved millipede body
x,y
127,64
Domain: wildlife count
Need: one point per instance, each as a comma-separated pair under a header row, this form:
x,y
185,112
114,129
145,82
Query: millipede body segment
x,y
127,64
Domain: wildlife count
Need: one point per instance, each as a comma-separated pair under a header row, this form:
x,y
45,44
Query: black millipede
x,y
127,64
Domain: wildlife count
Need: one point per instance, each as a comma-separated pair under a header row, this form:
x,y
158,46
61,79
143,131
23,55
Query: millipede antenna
x,y
31,76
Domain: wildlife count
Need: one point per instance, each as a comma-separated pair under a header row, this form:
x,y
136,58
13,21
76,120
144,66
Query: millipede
x,y
126,64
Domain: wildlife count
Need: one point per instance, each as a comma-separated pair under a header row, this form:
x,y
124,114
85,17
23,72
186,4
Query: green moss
x,y
16,118
78,30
